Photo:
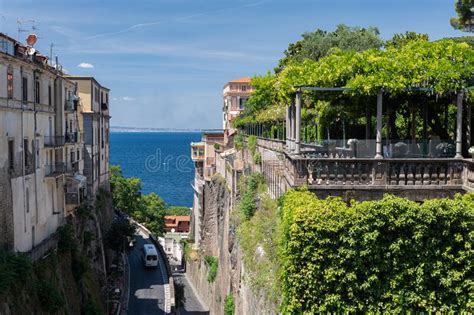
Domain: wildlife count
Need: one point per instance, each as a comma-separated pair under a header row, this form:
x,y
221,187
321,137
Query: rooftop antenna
x,y
51,46
20,25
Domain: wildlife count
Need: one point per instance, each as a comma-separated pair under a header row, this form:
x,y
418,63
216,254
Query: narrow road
x,y
189,302
147,293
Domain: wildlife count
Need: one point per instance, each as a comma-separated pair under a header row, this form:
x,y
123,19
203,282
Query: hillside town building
x,y
42,152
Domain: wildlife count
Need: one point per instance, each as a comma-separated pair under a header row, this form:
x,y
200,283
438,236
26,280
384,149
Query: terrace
x,y
350,157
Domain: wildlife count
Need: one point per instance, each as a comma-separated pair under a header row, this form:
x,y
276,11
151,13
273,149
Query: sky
x,y
166,61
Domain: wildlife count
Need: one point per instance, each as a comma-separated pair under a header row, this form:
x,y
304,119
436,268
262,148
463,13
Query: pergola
x,y
293,119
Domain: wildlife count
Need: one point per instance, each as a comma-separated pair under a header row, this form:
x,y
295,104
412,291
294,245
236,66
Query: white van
x,y
150,255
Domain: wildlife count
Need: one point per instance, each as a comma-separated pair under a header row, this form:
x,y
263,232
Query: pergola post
x,y
378,139
298,122
287,127
459,126
469,125
290,129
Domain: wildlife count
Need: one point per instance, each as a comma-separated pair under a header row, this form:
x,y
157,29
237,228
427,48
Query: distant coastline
x,y
135,129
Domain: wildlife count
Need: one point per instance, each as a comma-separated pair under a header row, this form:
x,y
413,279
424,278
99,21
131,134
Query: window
x,y
50,100
7,46
78,155
27,200
37,91
107,98
242,102
72,156
25,89
11,154
25,151
37,157
10,83
243,88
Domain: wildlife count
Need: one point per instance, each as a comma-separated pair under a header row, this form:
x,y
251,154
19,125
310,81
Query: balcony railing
x,y
70,106
58,169
321,173
54,141
72,137
74,198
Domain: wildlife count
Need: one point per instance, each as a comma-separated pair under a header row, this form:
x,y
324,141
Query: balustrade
x,y
388,172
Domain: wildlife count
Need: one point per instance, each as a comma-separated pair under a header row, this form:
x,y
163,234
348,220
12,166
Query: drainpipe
x,y
34,141
23,148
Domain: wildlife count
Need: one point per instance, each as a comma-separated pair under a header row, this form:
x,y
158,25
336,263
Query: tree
x,y
177,210
125,191
118,233
152,213
465,19
401,39
320,43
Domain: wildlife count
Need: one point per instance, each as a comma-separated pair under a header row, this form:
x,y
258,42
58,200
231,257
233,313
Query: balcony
x,y
197,151
74,198
58,169
54,141
70,105
72,137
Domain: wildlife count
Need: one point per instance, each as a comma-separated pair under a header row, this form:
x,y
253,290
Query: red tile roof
x,y
241,80
178,222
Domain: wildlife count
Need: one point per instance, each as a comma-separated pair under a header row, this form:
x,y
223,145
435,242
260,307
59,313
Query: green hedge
x,y
391,255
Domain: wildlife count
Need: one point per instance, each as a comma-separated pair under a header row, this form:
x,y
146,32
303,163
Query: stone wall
x,y
219,239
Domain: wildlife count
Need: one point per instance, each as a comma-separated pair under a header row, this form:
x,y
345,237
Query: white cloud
x,y
127,98
85,65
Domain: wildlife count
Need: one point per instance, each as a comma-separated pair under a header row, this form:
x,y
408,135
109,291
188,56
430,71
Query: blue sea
x,y
162,160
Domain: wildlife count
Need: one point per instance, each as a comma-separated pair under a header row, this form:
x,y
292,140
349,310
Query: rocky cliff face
x,y
69,280
219,240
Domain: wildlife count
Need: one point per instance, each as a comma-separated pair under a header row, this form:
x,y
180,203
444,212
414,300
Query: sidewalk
x,y
188,300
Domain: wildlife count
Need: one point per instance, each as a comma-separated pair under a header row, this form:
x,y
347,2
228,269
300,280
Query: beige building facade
x,y
235,94
40,147
95,122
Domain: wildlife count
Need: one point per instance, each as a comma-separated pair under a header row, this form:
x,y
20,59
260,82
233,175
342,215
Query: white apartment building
x,y
94,121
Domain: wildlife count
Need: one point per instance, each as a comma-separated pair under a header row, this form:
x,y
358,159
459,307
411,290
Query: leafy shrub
x,y
247,205
252,143
84,211
258,240
257,158
101,199
79,267
239,141
51,300
229,304
118,233
66,242
91,308
15,270
212,264
249,187
391,255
